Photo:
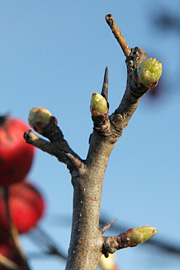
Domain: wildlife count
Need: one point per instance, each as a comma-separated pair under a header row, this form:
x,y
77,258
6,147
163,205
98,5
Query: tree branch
x,y
42,239
7,264
112,127
164,246
114,243
133,94
131,238
118,35
87,242
57,146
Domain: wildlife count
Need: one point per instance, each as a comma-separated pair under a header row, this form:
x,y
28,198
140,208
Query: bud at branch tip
x,y
38,118
149,72
141,234
98,105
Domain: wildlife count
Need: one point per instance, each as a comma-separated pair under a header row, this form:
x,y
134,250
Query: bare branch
x,y
164,246
8,264
85,238
57,146
87,242
40,143
118,35
43,240
112,128
132,95
114,243
130,238
134,91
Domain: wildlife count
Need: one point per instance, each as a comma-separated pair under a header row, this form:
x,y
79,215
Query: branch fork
x,y
56,146
87,241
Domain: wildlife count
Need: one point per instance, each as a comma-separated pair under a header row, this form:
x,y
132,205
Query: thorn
x,y
104,92
104,228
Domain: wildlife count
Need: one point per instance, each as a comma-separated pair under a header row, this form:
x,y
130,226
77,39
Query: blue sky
x,y
53,55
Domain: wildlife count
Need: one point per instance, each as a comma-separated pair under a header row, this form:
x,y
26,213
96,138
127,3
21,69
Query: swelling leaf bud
x,y
149,71
98,105
39,118
141,234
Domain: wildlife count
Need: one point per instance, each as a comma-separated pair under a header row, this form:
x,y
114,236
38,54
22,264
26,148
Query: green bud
x,y
141,234
39,118
98,105
149,71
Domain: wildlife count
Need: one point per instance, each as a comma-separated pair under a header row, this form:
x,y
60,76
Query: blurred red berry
x,y
16,155
26,206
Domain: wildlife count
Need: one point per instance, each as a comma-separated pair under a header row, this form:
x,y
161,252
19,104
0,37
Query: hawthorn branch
x,y
42,239
87,242
118,35
164,246
86,238
40,143
133,93
111,127
7,264
88,188
113,243
57,146
130,238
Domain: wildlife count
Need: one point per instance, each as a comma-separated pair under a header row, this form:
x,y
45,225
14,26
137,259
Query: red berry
x,y
16,155
26,206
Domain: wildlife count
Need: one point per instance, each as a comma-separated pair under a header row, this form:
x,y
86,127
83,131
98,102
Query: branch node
x,y
75,162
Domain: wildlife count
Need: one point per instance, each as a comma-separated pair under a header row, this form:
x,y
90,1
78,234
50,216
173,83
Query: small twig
x,y
114,243
5,262
104,92
13,231
163,246
45,241
118,35
40,143
57,146
104,228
